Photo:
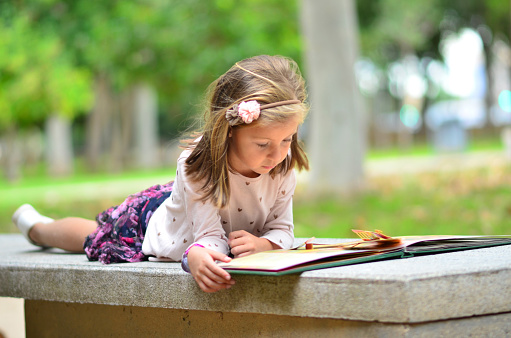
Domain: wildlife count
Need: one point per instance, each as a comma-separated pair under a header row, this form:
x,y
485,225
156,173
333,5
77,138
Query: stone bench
x,y
452,294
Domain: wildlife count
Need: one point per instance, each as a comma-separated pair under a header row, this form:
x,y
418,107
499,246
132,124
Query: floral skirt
x,y
121,229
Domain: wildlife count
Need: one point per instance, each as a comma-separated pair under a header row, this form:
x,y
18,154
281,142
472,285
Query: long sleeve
x,y
182,220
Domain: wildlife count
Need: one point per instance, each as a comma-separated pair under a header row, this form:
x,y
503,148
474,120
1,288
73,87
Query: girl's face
x,y
255,150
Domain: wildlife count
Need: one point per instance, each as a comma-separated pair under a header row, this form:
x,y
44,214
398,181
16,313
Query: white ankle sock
x,y
26,217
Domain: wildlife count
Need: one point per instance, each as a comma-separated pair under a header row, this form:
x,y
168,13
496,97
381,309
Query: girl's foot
x,y
26,217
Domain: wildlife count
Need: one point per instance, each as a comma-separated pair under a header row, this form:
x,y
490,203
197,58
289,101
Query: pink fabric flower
x,y
249,111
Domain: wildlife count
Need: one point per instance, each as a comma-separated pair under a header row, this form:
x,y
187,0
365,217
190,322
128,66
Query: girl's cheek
x,y
283,155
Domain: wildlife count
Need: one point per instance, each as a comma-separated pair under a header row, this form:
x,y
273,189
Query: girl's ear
x,y
230,132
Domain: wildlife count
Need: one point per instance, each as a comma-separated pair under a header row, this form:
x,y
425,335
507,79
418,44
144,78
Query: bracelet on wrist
x,y
191,246
184,260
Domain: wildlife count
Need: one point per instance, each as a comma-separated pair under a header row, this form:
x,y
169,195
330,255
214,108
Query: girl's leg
x,y
67,233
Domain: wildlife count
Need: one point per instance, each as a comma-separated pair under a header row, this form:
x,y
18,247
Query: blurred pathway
x,y
435,163
411,165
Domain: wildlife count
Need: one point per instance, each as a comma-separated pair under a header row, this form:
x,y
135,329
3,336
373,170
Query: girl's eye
x,y
288,140
262,145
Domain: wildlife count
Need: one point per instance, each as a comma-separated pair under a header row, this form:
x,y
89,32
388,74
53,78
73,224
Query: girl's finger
x,y
238,242
211,285
236,235
236,250
243,254
239,250
217,256
220,277
204,287
221,274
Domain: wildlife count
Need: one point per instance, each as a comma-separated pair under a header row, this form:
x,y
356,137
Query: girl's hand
x,y
208,275
243,243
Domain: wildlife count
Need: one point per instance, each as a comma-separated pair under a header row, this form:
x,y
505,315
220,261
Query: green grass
x,y
474,202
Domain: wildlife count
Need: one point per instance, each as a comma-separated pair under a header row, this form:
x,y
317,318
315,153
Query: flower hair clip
x,y
245,112
248,111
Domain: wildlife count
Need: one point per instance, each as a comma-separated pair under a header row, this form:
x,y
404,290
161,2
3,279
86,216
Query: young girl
x,y
233,187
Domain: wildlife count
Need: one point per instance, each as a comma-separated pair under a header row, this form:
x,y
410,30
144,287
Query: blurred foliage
x,y
177,46
52,50
473,13
390,28
36,77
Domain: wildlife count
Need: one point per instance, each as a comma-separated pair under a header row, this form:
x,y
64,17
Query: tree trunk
x,y
488,99
146,143
11,155
59,146
97,122
113,139
126,104
338,123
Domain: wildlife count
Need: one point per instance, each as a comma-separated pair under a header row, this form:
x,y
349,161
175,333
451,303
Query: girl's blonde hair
x,y
266,79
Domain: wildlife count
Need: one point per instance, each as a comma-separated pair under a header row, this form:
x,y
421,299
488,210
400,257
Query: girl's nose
x,y
274,154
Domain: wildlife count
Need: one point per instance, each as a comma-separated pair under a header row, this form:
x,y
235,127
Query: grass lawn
x,y
471,202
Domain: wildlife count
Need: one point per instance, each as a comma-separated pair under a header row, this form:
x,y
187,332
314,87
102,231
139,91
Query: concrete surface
x,y
414,290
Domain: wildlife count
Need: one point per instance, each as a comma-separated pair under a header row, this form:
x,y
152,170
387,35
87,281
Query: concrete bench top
x,y
412,290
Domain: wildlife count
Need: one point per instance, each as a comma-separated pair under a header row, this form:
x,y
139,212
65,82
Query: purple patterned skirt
x,y
121,229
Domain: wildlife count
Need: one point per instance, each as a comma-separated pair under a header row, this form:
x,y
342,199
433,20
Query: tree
x,y
37,80
391,29
338,134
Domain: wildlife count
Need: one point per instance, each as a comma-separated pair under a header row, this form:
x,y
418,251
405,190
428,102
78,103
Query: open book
x,y
374,245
